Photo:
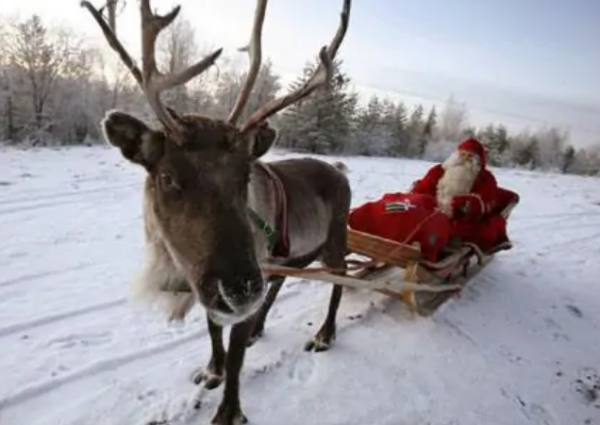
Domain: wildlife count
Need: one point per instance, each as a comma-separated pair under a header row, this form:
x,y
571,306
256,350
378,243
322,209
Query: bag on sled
x,y
405,218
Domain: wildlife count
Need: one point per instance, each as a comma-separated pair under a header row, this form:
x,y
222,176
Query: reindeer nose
x,y
230,293
254,285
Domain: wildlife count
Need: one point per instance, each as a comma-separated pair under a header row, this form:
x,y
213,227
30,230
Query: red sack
x,y
405,218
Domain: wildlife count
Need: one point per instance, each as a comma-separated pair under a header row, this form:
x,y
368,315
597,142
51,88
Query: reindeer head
x,y
198,168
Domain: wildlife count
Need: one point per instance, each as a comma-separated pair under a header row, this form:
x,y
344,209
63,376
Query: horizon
x,y
499,58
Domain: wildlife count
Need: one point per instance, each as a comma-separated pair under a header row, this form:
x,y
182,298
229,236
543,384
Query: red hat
x,y
473,146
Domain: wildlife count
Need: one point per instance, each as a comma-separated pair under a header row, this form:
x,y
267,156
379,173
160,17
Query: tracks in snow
x,y
57,317
118,373
75,353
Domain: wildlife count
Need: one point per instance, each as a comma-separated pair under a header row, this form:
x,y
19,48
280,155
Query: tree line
x,y
55,88
333,122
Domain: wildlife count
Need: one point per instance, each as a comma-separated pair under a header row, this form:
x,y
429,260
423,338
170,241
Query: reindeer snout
x,y
239,294
231,297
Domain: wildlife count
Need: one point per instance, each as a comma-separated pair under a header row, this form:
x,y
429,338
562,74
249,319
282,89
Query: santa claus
x,y
467,192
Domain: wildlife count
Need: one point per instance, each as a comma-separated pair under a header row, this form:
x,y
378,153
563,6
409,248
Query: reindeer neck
x,y
262,201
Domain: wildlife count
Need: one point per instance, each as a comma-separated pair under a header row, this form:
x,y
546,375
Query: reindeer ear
x,y
137,142
260,140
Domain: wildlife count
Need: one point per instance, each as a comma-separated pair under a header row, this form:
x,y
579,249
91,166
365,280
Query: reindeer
x,y
211,206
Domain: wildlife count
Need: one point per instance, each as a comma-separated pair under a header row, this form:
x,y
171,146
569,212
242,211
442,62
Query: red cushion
x,y
405,218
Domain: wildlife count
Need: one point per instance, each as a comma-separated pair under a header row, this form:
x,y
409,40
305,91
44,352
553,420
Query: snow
x,y
521,346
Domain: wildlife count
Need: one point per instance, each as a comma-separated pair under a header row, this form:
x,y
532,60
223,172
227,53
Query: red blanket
x,y
405,218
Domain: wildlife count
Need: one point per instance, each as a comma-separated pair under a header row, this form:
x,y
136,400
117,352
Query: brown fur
x,y
198,231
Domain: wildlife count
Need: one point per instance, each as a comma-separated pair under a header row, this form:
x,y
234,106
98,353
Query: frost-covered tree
x,y
177,49
453,121
452,124
414,130
37,62
586,161
524,151
552,143
230,83
367,138
397,120
495,139
429,130
321,123
568,158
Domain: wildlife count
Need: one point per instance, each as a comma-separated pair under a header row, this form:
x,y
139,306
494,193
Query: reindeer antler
x,y
152,81
254,50
319,78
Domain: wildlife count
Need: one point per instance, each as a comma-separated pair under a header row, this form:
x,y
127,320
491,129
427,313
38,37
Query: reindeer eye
x,y
167,181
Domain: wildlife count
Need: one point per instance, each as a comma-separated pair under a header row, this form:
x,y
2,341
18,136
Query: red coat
x,y
414,217
484,189
485,227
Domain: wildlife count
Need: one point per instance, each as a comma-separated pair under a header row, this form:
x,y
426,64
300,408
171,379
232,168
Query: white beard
x,y
459,176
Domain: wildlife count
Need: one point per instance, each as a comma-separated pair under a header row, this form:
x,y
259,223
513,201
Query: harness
x,y
278,239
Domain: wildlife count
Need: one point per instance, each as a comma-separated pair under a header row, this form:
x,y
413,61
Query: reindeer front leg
x,y
334,254
212,375
261,316
229,411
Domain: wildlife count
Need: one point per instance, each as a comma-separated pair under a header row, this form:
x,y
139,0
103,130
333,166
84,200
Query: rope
x,y
415,230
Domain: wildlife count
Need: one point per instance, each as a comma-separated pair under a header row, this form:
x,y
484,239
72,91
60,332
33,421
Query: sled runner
x,y
400,270
403,263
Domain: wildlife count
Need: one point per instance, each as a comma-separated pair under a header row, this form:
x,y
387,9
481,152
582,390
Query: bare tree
x,y
115,77
43,56
176,50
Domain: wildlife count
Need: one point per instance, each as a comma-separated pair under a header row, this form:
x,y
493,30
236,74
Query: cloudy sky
x,y
526,63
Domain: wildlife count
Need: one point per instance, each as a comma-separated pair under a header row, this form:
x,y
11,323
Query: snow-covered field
x,y
521,346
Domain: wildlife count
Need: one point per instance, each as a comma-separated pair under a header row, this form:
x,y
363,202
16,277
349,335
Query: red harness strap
x,y
281,247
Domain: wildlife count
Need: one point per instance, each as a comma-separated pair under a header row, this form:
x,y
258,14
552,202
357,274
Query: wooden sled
x,y
399,271
404,263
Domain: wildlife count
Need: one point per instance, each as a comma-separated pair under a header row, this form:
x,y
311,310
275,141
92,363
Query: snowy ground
x,y
521,346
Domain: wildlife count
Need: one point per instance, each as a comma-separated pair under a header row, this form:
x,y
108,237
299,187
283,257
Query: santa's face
x,y
463,159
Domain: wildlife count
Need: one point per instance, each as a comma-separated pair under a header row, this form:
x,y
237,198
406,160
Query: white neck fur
x,y
459,175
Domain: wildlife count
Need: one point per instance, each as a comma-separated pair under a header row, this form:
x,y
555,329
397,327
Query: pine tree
x,y
568,158
525,152
367,139
429,130
320,123
400,139
414,130
487,137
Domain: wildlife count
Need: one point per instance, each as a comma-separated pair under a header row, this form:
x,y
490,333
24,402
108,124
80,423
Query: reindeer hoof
x,y
317,344
322,340
229,415
211,380
253,338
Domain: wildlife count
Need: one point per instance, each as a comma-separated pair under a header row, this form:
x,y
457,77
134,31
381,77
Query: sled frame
x,y
401,262
399,270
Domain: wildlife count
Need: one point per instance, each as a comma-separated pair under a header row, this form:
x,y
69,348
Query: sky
x,y
523,63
